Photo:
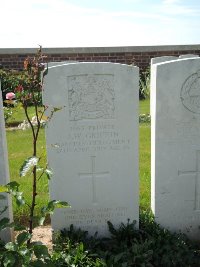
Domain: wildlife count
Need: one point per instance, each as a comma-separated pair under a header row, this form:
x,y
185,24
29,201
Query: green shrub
x,y
11,79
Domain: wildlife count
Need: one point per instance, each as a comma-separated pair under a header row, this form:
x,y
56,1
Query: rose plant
x,y
22,251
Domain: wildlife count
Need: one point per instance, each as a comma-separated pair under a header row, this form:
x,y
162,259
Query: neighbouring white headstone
x,y
92,144
156,60
188,56
7,234
175,152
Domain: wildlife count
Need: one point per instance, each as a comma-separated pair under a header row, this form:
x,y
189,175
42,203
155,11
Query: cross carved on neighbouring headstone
x,y
94,175
196,172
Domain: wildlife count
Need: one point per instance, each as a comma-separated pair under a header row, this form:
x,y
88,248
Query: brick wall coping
x,y
82,50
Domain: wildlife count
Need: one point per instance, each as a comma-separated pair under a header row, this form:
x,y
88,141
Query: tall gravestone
x,y
175,151
92,144
7,234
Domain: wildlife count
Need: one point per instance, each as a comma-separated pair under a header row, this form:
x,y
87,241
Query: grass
x,y
20,148
144,157
144,106
18,115
144,165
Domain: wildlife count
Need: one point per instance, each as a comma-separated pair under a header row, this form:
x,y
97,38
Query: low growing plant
x,y
127,246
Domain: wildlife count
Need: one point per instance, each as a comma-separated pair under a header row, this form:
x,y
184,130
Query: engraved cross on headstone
x,y
94,175
196,172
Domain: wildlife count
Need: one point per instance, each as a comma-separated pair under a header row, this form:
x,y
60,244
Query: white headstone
x,y
92,144
175,142
156,60
7,234
187,56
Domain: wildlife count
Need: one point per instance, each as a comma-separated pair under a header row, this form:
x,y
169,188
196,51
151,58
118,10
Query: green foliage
x,y
50,207
13,189
77,256
19,254
73,247
145,84
150,246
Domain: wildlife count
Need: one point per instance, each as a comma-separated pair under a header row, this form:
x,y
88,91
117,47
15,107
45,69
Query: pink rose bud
x,y
10,96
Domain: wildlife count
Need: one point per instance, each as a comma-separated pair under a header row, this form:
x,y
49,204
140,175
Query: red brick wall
x,y
12,58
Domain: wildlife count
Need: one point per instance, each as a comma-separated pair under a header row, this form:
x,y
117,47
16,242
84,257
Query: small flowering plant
x,y
27,93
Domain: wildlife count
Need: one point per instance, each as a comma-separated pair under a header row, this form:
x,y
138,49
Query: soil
x,y
44,235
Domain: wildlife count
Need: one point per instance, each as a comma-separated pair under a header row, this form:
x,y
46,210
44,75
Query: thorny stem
x,y
27,116
34,191
34,186
35,84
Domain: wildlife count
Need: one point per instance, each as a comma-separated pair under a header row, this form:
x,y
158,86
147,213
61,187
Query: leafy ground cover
x,y
149,246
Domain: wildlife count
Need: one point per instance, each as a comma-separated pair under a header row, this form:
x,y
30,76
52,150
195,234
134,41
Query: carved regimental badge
x,y
91,97
190,93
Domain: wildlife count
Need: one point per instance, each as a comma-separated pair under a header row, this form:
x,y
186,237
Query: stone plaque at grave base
x,y
175,141
7,234
92,144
